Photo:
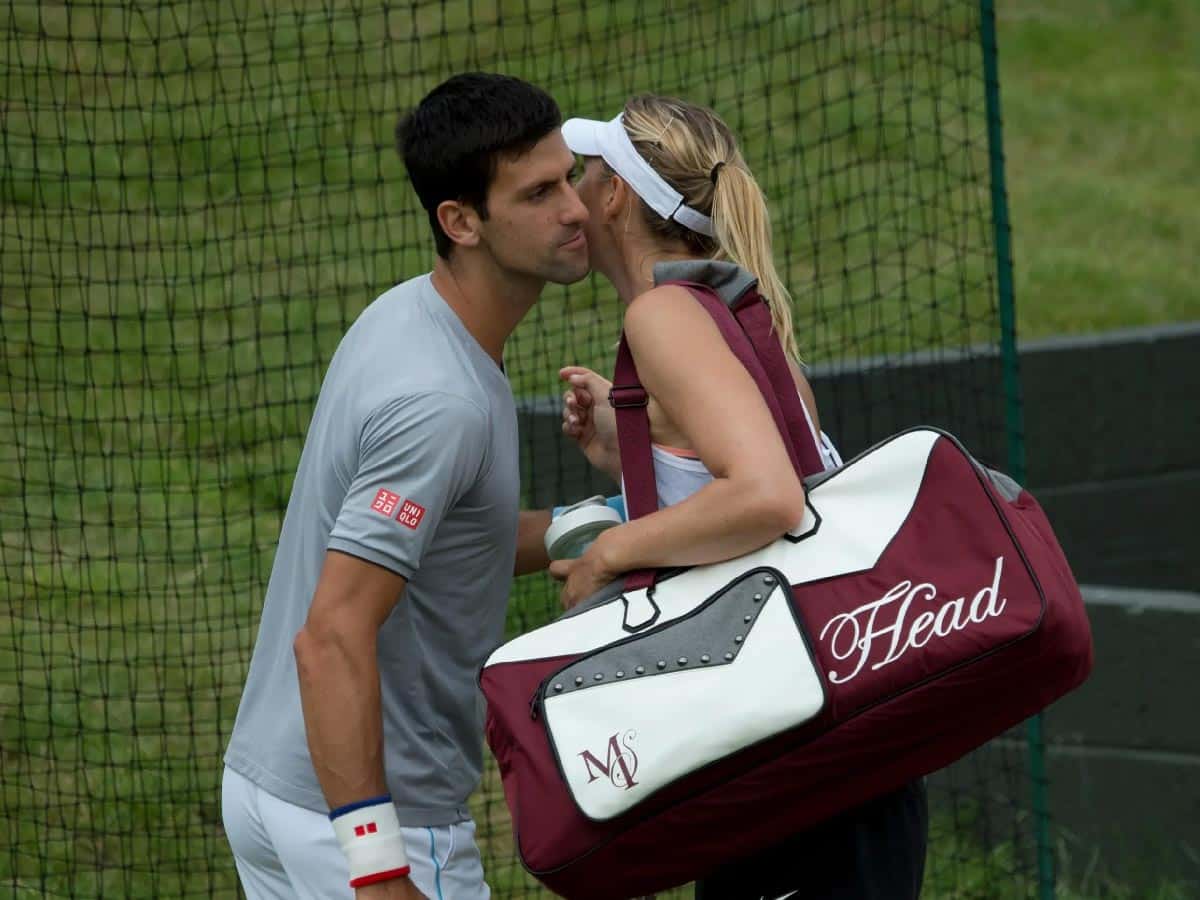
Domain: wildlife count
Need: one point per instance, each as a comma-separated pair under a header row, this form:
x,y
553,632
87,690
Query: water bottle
x,y
572,531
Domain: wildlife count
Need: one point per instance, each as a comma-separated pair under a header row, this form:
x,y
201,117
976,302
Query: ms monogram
x,y
619,765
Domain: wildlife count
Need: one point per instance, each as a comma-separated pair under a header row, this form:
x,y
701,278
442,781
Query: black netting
x,y
197,197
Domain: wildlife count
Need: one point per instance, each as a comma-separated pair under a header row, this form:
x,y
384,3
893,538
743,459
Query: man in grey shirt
x,y
393,568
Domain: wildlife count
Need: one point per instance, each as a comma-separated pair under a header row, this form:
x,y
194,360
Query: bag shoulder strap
x,y
629,401
754,315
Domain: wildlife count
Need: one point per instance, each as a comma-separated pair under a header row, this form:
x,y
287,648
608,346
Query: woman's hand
x,y
588,419
582,576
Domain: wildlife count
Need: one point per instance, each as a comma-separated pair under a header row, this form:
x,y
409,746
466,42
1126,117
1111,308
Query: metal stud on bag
x,y
723,625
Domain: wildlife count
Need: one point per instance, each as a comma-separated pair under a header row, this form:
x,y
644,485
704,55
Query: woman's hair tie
x,y
712,176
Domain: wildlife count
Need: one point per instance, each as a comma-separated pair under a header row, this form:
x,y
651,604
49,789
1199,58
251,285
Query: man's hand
x,y
582,577
588,419
394,889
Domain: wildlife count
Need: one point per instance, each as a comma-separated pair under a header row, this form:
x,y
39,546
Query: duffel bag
x,y
682,720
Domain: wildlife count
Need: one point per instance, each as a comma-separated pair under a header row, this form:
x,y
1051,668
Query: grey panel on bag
x,y
729,280
1007,487
711,636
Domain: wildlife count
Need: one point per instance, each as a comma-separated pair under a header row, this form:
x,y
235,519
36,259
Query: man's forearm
x,y
340,698
531,546
339,695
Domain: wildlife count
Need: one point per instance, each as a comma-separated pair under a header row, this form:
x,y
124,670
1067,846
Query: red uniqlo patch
x,y
410,514
385,502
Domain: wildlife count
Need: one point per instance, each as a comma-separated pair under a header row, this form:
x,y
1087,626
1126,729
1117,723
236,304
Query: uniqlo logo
x,y
364,830
385,502
410,514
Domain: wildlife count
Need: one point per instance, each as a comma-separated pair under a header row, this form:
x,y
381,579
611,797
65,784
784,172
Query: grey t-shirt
x,y
410,462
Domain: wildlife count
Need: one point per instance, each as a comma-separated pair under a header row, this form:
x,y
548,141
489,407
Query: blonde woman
x,y
670,197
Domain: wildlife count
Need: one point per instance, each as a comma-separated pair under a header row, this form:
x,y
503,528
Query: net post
x,y
1014,423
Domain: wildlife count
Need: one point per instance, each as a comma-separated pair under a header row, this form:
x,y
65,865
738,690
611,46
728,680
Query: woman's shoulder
x,y
661,295
663,306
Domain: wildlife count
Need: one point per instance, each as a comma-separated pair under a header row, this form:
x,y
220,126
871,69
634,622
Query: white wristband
x,y
369,834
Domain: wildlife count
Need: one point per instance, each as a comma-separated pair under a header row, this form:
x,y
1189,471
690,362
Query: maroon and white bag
x,y
682,719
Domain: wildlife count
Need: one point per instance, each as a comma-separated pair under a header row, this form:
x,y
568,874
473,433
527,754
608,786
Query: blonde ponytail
x,y
743,231
697,154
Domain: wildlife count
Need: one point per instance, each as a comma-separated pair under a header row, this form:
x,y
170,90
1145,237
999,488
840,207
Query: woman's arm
x,y
755,495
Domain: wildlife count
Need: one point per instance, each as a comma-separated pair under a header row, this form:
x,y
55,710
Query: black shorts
x,y
873,852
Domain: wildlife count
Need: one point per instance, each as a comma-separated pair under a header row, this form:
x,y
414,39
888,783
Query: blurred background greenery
x,y
196,198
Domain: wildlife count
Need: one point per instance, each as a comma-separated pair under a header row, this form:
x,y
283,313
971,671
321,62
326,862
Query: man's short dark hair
x,y
452,142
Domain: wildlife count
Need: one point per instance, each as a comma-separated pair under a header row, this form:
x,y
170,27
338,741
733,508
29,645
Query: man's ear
x,y
459,221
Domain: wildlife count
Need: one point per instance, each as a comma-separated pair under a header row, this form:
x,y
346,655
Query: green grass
x,y
194,202
1100,145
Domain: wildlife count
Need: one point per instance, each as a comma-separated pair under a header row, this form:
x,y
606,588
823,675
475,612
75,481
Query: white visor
x,y
608,140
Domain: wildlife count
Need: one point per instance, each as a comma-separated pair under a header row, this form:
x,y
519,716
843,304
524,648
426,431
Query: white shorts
x,y
285,852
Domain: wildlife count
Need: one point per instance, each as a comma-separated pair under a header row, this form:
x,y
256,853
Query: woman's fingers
x,y
568,371
585,380
576,405
579,399
582,396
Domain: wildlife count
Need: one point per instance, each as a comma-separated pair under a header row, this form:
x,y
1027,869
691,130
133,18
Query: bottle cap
x,y
571,531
